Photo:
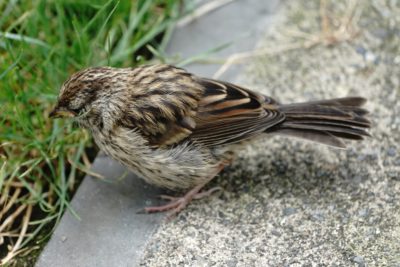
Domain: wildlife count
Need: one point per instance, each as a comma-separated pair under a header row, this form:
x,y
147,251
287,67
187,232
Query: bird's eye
x,y
76,111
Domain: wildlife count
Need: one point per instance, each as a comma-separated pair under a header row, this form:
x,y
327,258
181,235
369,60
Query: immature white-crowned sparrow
x,y
177,130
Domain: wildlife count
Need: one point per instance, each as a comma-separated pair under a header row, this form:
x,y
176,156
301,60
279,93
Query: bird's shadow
x,y
276,174
295,174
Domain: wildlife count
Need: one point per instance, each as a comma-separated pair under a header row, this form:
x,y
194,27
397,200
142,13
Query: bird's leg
x,y
177,204
198,195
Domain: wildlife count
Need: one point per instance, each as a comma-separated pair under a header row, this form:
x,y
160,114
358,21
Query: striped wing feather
x,y
172,105
228,113
225,114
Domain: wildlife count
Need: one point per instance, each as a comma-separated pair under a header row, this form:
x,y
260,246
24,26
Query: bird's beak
x,y
60,112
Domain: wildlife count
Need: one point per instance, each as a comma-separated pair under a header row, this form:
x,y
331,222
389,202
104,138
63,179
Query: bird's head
x,y
79,92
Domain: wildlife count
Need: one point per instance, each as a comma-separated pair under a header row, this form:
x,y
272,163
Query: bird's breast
x,y
178,167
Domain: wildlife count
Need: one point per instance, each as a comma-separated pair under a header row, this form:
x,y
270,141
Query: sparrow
x,y
177,130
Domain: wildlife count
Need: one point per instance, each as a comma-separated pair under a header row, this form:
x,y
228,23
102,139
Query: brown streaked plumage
x,y
178,130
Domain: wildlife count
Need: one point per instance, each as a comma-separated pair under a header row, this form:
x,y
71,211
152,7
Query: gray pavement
x,y
109,232
239,24
291,203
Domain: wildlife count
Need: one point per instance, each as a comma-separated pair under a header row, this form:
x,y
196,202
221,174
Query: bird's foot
x,y
177,204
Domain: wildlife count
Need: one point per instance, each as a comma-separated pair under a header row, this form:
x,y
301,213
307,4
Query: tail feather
x,y
334,129
315,136
326,121
351,101
354,120
334,122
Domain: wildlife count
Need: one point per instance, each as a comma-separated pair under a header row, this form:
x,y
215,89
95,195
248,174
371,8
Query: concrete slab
x,y
240,24
109,232
290,203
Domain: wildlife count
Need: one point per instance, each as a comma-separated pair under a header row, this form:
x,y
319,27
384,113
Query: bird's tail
x,y
326,121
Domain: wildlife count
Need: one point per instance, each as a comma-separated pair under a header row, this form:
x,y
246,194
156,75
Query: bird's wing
x,y
228,113
178,106
164,104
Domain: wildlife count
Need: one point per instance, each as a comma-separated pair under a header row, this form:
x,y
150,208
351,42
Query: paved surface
x,y
291,203
109,232
239,24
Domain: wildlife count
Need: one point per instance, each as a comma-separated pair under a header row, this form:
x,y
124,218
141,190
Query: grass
x,y
41,44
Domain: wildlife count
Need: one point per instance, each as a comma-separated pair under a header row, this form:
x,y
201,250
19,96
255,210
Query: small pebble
x,y
357,179
363,213
231,263
317,216
289,211
361,50
275,232
370,57
359,260
393,174
391,152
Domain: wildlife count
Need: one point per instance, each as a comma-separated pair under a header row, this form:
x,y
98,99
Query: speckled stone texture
x,y
287,202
